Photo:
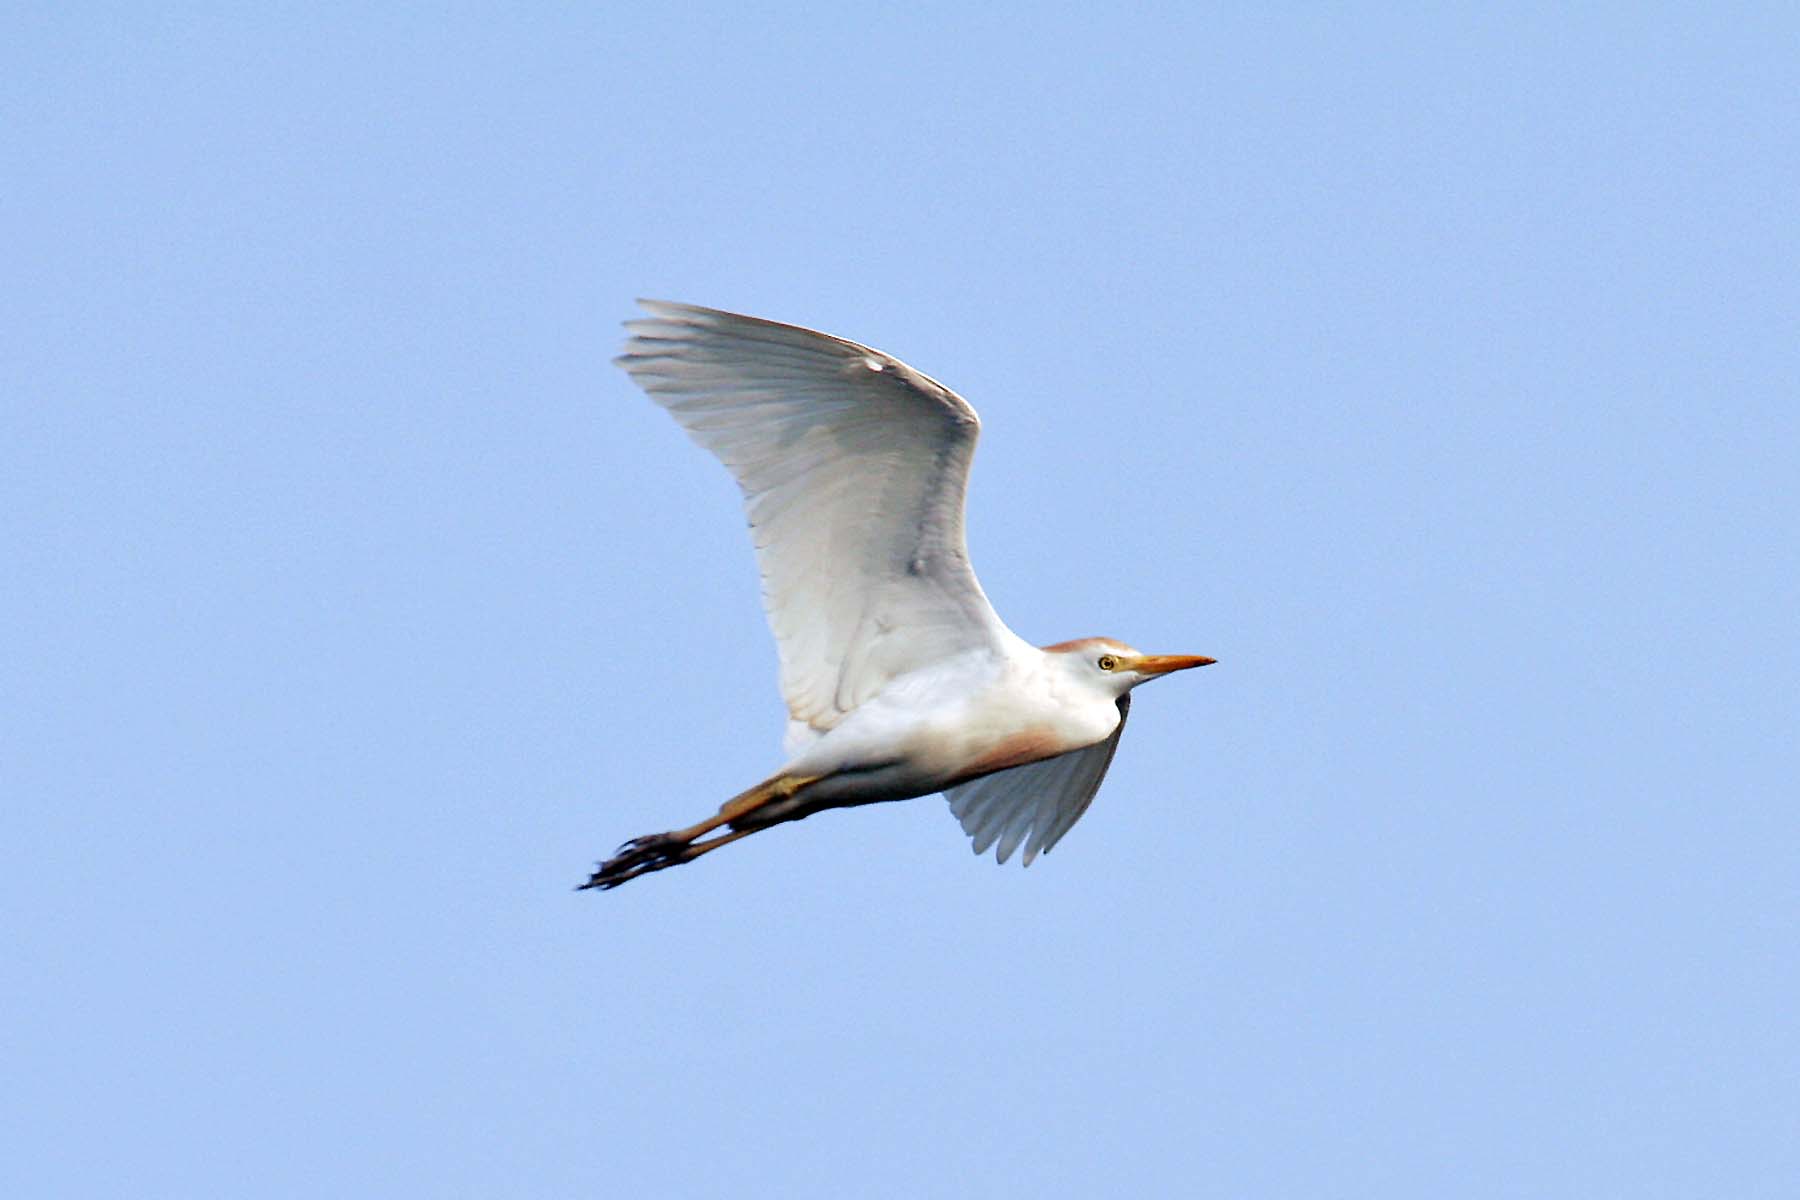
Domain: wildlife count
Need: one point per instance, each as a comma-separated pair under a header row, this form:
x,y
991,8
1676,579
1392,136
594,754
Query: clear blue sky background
x,y
1437,373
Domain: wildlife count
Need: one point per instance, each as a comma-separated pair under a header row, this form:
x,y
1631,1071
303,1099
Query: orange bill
x,y
1162,664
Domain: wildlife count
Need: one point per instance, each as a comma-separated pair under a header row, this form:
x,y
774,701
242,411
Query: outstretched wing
x,y
1036,803
853,468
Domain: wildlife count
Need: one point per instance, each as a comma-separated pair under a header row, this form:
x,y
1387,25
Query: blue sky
x,y
1436,372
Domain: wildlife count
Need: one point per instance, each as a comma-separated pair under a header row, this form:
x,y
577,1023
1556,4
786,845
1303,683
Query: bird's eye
x,y
1108,662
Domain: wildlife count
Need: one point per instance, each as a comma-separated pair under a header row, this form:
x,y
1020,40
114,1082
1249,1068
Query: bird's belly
x,y
896,750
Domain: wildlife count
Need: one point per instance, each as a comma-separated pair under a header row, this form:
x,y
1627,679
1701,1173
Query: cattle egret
x,y
899,677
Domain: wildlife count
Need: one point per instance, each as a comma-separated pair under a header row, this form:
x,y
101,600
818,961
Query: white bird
x,y
899,677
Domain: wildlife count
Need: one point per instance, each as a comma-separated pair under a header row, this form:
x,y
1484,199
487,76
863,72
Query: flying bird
x,y
899,677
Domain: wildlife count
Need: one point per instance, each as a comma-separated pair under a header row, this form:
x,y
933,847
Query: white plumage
x,y
899,677
853,468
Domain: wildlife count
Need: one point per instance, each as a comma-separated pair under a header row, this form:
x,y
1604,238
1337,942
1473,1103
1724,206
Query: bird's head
x,y
1115,667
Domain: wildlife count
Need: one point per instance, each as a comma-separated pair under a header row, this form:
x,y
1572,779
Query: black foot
x,y
652,852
